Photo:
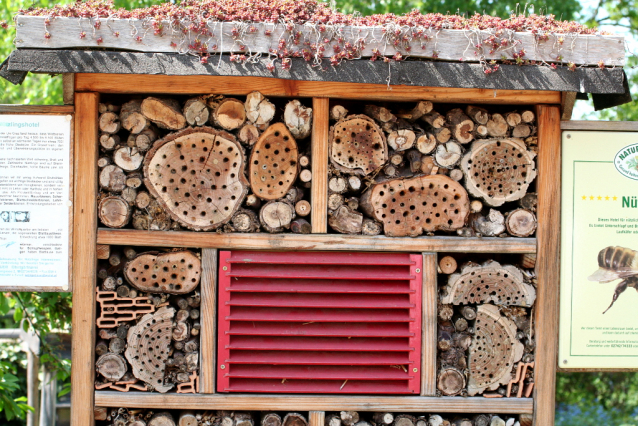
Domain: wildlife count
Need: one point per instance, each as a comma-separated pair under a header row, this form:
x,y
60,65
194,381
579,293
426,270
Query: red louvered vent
x,y
319,322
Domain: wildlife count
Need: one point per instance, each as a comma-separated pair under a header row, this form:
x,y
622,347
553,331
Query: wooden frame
x,y
52,110
545,245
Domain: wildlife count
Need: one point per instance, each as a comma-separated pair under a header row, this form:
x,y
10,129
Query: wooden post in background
x,y
548,183
428,325
208,333
84,258
319,159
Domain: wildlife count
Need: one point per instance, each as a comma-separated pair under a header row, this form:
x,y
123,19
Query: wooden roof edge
x,y
608,85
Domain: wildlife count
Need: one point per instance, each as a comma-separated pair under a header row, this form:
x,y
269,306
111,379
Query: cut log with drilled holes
x,y
490,282
259,110
166,113
132,118
401,140
111,366
148,348
298,119
479,115
383,418
498,170
230,114
245,220
357,145
248,134
112,178
128,159
161,419
434,119
109,122
349,418
197,175
497,126
346,221
294,419
108,142
521,223
300,226
174,273
448,155
273,163
276,216
426,143
114,212
461,125
491,225
338,112
409,207
196,112
272,419
447,265
493,352
302,208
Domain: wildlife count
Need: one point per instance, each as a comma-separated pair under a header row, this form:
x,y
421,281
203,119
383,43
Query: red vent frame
x,y
308,322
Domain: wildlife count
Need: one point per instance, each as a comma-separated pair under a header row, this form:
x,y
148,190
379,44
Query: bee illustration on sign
x,y
617,263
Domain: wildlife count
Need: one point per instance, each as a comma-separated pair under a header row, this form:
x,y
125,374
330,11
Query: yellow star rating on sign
x,y
599,197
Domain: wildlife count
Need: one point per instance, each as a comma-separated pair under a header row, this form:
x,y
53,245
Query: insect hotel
x,y
287,216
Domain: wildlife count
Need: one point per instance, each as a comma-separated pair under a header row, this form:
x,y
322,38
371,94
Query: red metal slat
x,y
295,343
317,358
336,272
353,329
325,258
244,313
319,386
332,372
261,285
353,301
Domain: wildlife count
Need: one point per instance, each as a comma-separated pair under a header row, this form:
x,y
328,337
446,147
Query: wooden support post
x,y
319,158
547,263
84,259
33,385
68,88
208,318
428,325
567,101
316,418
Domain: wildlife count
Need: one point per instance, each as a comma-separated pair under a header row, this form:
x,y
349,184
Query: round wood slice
x,y
275,216
409,207
129,159
489,283
273,163
111,366
357,145
174,273
498,170
298,118
148,347
114,212
198,176
230,114
521,223
112,178
450,381
493,352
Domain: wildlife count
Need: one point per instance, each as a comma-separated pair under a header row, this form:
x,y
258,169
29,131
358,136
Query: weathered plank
x,y
259,402
602,126
429,325
319,159
449,45
208,319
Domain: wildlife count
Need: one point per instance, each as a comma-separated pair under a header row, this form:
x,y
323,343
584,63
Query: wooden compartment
x,y
114,416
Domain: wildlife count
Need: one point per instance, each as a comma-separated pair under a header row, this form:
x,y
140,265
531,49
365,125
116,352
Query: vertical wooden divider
x,y
319,158
547,263
208,332
428,325
84,258
316,418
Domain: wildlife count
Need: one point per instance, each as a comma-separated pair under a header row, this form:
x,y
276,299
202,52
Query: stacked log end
x,y
207,163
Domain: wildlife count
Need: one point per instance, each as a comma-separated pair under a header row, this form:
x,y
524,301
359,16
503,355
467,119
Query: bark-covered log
x,y
259,110
450,381
428,164
426,143
134,180
513,119
437,420
448,155
338,185
335,201
142,200
196,112
162,419
521,131
103,162
528,116
338,112
469,313
434,119
346,221
396,159
197,175
380,114
383,418
114,212
270,419
305,175
357,145
248,134
476,206
482,420
447,264
300,226
112,178
298,119
420,109
354,183
401,140
497,126
497,421
245,220
229,114
520,223
498,170
117,345
529,201
128,159
456,174
101,347
461,126
294,195
404,420
166,113
349,418
526,419
294,419
109,122
481,131
132,118
302,208
276,216
479,115
111,366
108,142
273,163
187,418
491,225
253,201
173,273
371,227
409,207
442,134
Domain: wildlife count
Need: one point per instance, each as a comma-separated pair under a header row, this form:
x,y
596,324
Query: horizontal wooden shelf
x,y
317,242
315,402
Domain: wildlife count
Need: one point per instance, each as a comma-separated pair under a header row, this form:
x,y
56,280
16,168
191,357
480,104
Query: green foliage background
x,y
583,399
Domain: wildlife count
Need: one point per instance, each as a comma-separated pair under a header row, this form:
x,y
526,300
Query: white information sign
x,y
35,201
